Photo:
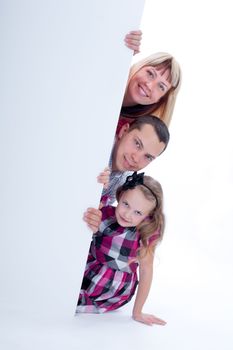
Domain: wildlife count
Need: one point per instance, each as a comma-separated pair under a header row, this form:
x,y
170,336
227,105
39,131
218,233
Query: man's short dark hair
x,y
159,126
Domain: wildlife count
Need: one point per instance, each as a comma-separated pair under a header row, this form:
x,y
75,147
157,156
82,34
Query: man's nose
x,y
136,157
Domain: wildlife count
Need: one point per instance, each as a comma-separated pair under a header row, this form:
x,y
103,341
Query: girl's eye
x,y
125,203
137,143
138,213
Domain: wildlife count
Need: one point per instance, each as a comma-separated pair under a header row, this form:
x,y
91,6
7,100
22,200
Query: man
x,y
135,147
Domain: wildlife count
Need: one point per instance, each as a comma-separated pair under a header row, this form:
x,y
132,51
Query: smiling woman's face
x,y
147,86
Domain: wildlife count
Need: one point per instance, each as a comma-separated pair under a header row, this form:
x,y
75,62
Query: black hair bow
x,y
133,180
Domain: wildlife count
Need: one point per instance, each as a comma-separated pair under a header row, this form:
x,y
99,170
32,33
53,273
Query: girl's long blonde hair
x,y
165,106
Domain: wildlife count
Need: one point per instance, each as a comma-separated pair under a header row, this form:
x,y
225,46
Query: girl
x,y
127,237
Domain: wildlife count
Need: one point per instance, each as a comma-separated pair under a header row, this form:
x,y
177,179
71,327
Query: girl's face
x,y
146,86
133,208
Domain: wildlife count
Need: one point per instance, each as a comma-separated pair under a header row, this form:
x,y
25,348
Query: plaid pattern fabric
x,y
109,280
117,178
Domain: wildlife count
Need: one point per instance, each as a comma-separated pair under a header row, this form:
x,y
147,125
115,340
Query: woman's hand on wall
x,y
133,40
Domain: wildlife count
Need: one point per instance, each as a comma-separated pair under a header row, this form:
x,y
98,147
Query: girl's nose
x,y
127,215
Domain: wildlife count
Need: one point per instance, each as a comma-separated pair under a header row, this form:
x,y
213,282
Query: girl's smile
x,y
133,208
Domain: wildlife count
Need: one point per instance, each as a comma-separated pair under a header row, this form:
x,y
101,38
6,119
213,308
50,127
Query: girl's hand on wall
x,y
93,217
133,40
103,177
148,319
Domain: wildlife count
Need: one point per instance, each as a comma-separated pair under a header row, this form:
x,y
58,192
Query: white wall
x,y
193,287
63,71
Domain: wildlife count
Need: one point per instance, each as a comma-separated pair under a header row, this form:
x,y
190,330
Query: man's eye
x,y
149,158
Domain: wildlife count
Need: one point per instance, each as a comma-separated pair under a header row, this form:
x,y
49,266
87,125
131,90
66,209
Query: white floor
x,y
198,310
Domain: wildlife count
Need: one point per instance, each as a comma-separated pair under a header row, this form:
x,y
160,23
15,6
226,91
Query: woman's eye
x,y
162,88
150,73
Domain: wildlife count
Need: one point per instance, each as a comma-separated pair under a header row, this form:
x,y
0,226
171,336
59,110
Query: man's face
x,y
135,149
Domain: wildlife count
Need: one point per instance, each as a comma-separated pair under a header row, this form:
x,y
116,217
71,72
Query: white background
x,y
193,273
192,287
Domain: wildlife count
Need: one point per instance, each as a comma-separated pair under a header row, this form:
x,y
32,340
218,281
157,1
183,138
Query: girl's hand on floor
x,y
148,319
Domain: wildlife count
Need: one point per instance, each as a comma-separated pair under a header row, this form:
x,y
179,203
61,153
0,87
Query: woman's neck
x,y
127,102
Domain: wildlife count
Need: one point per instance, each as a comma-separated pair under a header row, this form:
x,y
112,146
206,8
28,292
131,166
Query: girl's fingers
x,y
93,225
94,211
156,320
92,216
149,320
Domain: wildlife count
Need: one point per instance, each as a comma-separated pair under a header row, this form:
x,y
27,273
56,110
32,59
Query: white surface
x,y
193,284
192,288
64,66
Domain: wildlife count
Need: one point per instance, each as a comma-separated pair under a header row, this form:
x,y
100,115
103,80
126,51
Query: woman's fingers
x,y
133,40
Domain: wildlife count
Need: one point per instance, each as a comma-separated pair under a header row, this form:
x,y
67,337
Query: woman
x,y
152,86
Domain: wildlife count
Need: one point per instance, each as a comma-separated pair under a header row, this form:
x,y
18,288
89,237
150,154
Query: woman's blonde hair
x,y
155,222
165,106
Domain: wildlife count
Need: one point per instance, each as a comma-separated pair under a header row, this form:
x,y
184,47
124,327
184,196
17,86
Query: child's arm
x,y
93,217
133,40
145,279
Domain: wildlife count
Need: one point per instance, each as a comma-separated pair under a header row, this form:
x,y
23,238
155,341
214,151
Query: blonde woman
x,y
152,86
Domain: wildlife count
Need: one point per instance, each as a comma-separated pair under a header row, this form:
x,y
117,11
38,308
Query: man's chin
x,y
125,166
127,169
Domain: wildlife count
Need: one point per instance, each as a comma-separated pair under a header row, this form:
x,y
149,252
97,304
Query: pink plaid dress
x,y
110,280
